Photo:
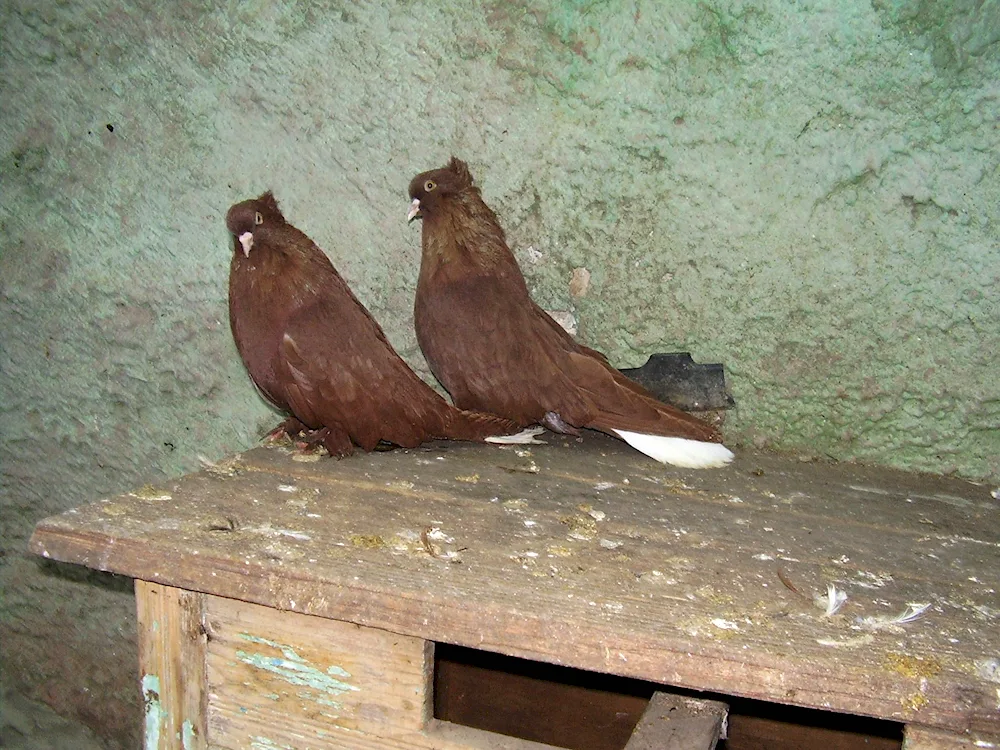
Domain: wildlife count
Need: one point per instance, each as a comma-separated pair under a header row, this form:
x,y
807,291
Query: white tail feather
x,y
691,454
524,437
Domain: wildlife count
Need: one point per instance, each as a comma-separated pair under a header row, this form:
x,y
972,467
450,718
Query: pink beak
x,y
246,240
414,210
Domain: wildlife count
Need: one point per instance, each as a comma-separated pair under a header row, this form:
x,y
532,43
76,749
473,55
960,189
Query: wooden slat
x,y
441,735
438,736
172,667
674,722
592,556
279,679
292,678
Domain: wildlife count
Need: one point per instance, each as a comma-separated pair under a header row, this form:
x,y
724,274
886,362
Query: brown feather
x,y
492,347
315,352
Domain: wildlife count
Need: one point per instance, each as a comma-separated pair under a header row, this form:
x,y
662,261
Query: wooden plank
x,y
291,678
279,679
589,555
437,736
923,738
172,666
673,722
442,735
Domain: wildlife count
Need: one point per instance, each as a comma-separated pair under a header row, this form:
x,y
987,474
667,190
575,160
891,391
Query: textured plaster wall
x,y
806,191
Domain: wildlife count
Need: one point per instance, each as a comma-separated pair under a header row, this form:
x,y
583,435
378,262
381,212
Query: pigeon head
x,y
253,220
429,189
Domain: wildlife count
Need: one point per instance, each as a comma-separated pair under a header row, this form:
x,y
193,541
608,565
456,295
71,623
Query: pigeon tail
x,y
690,454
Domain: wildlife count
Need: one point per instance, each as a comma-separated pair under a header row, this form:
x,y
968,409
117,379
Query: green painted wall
x,y
805,191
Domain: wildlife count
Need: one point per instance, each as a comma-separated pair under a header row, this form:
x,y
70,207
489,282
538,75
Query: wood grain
x,y
922,738
292,678
172,666
672,722
589,555
281,679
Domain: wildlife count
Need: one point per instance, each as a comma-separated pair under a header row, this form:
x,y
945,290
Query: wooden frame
x,y
583,555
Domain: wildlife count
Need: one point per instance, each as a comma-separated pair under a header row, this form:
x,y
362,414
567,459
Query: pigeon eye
x,y
258,218
430,185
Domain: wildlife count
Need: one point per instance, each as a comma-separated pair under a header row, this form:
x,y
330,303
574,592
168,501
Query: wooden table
x,y
288,603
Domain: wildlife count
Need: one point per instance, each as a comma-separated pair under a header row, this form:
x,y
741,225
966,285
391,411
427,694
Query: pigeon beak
x,y
246,240
414,210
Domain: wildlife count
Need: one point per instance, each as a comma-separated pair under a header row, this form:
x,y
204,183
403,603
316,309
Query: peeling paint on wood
x,y
172,656
152,709
274,674
295,670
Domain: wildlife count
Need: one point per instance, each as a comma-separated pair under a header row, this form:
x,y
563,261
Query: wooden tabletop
x,y
588,554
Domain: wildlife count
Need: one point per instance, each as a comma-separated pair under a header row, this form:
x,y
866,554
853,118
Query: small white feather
x,y
912,612
524,437
833,600
691,454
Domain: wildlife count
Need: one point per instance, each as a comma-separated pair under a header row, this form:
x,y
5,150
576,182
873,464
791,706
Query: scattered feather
x,y
783,577
833,600
434,533
300,535
877,622
524,437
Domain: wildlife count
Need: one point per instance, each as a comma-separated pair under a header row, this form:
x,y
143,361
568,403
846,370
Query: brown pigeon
x,y
315,352
495,350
